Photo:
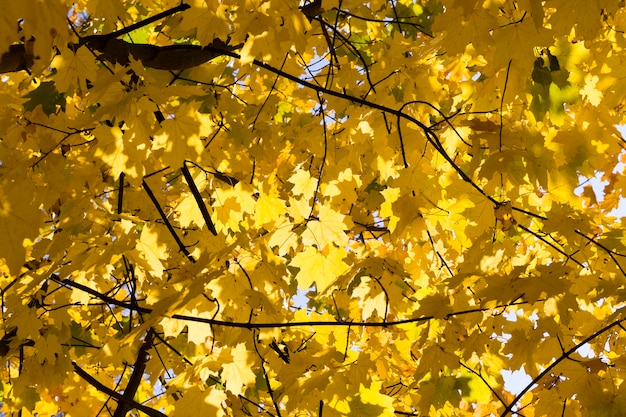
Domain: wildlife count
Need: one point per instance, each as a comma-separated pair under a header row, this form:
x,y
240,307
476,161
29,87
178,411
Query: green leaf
x,y
46,96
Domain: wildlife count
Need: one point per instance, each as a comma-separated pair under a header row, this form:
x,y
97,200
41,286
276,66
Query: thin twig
x,y
506,82
482,378
274,325
166,221
199,200
270,391
550,367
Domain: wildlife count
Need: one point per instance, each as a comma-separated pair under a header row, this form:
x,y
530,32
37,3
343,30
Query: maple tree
x,y
325,208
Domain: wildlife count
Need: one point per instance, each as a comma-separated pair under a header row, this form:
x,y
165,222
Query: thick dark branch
x,y
20,57
120,193
198,198
170,57
126,404
105,298
117,396
102,39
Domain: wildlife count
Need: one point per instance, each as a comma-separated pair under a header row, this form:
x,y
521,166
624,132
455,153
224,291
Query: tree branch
x,y
273,325
431,137
198,198
126,403
550,367
180,244
117,396
102,39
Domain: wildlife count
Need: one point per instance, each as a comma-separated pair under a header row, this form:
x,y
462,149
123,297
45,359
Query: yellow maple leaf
x,y
283,237
525,36
370,300
151,250
188,212
111,149
181,135
303,183
328,229
590,91
19,220
238,373
195,401
227,209
386,210
375,400
268,207
319,267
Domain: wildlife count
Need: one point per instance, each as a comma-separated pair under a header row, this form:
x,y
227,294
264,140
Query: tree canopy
x,y
328,208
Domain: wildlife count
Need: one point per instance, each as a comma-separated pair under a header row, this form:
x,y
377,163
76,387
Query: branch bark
x,y
274,325
170,57
127,403
198,198
117,396
169,226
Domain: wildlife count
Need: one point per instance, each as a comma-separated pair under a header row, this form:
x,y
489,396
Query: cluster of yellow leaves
x,y
396,191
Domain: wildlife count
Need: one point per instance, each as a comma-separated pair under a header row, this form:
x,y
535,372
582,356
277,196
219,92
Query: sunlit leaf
x,y
411,202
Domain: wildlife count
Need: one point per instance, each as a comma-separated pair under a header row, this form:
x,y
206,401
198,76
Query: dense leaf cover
x,y
247,207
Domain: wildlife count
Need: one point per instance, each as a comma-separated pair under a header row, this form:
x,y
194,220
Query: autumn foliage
x,y
327,208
